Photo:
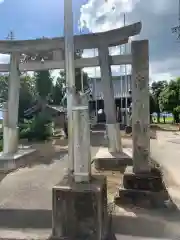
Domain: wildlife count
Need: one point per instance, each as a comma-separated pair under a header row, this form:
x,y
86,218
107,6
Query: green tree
x,y
80,77
27,92
27,95
58,91
156,89
152,106
3,88
78,82
169,99
44,85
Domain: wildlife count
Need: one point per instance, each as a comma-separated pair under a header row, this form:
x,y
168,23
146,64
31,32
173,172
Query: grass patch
x,y
167,120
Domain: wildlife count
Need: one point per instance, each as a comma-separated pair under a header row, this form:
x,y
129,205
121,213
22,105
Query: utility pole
x,y
10,36
176,29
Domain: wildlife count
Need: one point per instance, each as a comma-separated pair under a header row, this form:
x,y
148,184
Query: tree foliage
x,y
43,83
156,89
152,104
27,94
3,88
169,98
58,91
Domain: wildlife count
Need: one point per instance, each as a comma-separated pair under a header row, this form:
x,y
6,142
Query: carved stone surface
x,y
41,56
80,210
140,108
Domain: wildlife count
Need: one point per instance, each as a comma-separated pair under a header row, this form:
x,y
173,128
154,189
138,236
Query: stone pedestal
x,y
80,209
144,189
105,160
12,161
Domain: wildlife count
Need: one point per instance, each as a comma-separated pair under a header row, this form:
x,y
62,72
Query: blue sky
x,y
30,19
35,18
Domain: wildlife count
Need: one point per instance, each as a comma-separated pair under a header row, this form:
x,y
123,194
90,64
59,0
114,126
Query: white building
x,y
122,86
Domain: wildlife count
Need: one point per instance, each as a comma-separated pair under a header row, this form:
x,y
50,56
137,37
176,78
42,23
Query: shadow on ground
x,y
164,127
22,218
151,225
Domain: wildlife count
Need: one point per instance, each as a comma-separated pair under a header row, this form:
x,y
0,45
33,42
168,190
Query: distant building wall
x,y
121,84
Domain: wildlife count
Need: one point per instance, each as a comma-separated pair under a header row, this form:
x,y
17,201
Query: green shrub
x,y
39,128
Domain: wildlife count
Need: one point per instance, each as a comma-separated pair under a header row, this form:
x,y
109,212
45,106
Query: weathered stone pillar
x,y
143,182
13,103
82,149
109,103
140,106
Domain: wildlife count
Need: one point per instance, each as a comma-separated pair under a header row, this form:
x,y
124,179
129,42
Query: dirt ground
x,y
26,195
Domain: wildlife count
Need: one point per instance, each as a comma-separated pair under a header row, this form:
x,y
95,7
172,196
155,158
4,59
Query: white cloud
x,y
4,58
162,7
95,14
1,1
157,17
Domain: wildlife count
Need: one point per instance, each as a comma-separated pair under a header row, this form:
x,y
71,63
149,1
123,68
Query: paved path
x,y
26,198
25,201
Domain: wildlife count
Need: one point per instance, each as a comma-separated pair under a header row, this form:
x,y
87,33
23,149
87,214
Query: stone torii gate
x,y
48,54
70,197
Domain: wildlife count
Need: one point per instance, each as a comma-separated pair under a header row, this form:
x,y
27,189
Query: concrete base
x,y
140,188
9,162
105,160
80,209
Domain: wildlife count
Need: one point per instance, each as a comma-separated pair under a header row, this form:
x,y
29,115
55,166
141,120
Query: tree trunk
x,y
158,117
176,117
164,119
151,119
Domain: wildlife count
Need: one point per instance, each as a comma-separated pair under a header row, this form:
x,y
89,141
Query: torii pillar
x,y
113,157
11,154
11,136
112,126
142,181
